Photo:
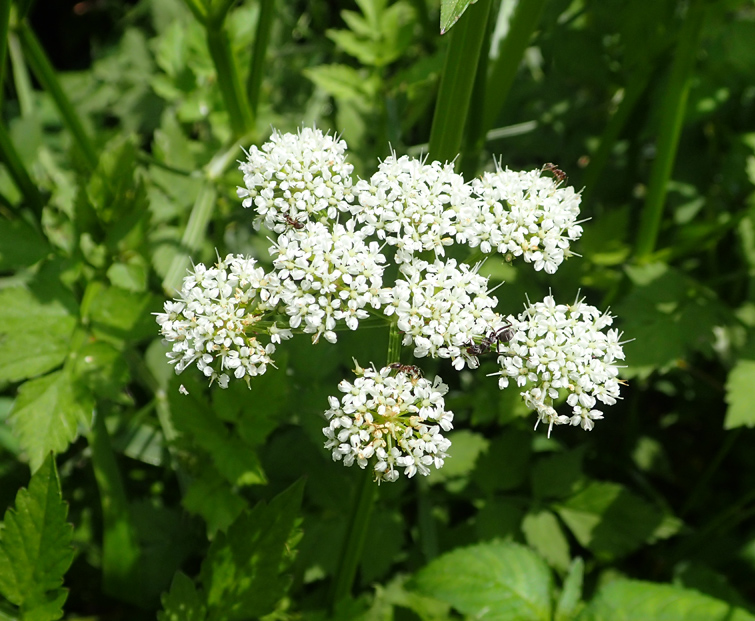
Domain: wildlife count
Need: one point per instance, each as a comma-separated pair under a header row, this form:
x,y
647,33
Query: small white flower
x,y
391,418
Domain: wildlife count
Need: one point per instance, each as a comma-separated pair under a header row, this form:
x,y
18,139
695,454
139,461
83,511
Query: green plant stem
x,y
259,52
120,546
21,77
456,83
4,26
356,535
523,22
598,161
198,9
48,78
671,120
229,80
17,171
201,212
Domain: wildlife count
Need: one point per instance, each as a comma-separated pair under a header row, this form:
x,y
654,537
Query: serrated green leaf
x,y
740,395
122,314
35,547
47,414
451,11
183,602
244,571
610,520
211,496
35,333
502,581
629,600
21,244
544,534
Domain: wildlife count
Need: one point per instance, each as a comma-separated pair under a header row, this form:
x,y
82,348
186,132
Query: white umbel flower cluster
x,y
294,178
442,308
558,350
394,418
213,322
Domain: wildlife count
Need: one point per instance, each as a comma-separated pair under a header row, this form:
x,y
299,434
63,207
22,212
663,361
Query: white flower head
x,y
558,350
391,418
524,214
295,178
214,322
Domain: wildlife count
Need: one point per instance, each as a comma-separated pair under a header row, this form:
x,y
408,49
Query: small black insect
x,y
556,172
409,369
502,335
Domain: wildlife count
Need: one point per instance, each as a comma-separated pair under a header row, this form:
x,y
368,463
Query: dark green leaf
x,y
212,497
502,581
559,475
21,244
35,547
244,573
182,602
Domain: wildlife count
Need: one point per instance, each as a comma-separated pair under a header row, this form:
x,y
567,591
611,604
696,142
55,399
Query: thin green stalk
x,y
17,171
523,22
218,10
120,545
21,77
229,80
198,9
598,161
259,51
48,78
671,120
4,26
191,241
455,92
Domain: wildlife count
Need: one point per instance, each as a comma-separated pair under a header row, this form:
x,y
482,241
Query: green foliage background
x,y
121,127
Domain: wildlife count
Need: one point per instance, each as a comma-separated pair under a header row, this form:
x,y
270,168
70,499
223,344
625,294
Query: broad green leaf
x,y
544,534
47,413
21,244
466,448
740,395
610,520
244,572
35,548
451,11
569,602
103,369
35,333
500,518
502,581
131,276
121,314
629,600
182,602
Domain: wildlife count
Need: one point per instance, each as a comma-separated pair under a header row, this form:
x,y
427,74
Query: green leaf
x,y
569,601
182,602
610,520
35,333
466,448
47,414
121,314
451,11
740,395
559,475
629,600
35,548
544,533
502,581
233,458
211,496
244,571
20,244
342,82
505,463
